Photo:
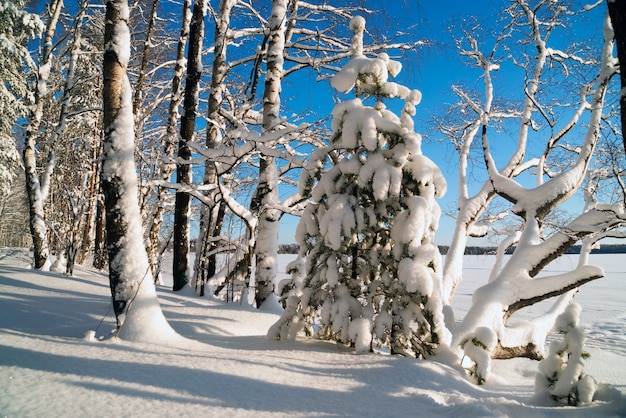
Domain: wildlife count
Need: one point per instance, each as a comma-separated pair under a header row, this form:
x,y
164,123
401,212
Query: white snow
x,y
51,365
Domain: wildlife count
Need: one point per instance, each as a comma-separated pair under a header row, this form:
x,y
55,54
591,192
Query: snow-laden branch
x,y
552,286
238,209
547,196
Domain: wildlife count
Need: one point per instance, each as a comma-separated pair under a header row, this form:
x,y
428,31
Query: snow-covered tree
x,y
213,214
518,283
14,230
77,186
373,271
38,186
246,136
187,131
16,27
561,374
171,140
135,303
266,196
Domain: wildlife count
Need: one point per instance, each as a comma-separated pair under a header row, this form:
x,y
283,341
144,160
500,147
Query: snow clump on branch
x,y
372,276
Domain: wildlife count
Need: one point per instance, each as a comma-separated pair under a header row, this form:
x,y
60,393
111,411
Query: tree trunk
x,y
266,196
38,228
92,200
36,188
212,216
170,144
128,262
145,192
73,242
183,170
100,259
617,12
145,58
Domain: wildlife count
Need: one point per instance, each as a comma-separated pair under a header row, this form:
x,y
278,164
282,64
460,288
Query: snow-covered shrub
x,y
286,287
478,346
372,267
561,375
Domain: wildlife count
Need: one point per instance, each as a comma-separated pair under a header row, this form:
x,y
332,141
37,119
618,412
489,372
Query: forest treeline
x,y
480,250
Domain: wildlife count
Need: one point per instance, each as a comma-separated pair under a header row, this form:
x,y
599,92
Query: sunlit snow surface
x,y
50,367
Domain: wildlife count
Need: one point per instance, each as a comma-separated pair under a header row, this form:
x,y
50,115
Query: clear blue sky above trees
x,y
433,70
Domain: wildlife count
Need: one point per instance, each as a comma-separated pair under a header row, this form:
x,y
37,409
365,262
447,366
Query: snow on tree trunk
x,y
135,303
187,128
212,216
373,271
171,139
266,196
73,240
37,188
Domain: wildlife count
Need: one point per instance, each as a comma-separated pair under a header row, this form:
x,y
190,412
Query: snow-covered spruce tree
x,y
372,268
16,25
561,376
136,307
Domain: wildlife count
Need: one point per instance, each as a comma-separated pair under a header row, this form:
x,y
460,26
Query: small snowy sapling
x,y
372,274
561,375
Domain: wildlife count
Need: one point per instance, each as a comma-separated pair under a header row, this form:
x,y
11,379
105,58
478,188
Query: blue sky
x,y
433,70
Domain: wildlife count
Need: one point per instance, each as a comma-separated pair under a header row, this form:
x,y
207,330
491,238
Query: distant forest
x,y
443,249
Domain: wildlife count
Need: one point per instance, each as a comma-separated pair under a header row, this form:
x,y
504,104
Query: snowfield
x,y
52,364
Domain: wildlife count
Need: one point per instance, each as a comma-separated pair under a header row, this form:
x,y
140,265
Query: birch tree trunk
x,y
78,207
212,216
171,139
92,201
143,67
138,96
128,263
183,169
37,189
266,195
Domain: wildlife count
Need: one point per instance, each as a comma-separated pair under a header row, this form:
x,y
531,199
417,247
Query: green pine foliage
x,y
16,28
372,273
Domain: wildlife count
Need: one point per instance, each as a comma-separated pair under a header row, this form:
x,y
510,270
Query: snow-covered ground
x,y
50,366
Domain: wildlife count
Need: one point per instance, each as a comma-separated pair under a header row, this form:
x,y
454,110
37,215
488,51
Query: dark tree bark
x,y
171,139
183,170
145,59
617,12
212,216
100,259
